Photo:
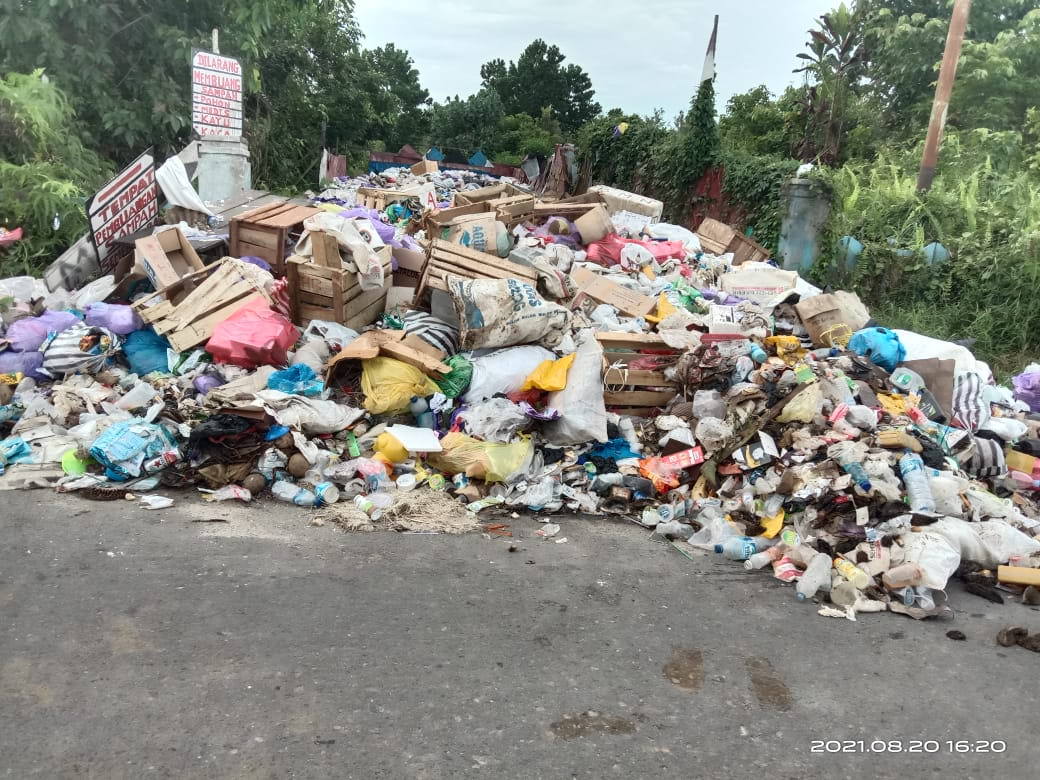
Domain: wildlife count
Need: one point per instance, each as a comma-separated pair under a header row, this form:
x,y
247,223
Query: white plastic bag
x,y
946,490
936,556
580,403
497,419
503,371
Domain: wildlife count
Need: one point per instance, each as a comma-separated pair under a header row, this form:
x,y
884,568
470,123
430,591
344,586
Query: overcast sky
x,y
640,54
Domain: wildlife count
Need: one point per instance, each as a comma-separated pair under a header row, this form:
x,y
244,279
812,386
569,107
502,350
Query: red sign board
x,y
216,95
124,205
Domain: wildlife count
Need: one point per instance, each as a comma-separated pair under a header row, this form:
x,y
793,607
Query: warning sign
x,y
123,206
216,95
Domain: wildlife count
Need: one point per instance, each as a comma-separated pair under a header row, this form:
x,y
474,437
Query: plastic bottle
x,y
816,576
853,573
292,494
756,353
918,491
854,469
762,559
923,597
420,409
902,576
740,548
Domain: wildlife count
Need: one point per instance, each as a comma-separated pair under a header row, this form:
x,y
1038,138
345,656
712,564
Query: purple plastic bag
x,y
27,363
27,334
116,317
1027,389
259,262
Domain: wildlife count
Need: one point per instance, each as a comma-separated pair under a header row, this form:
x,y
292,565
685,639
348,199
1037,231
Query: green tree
x,y
468,124
757,123
538,79
401,103
45,173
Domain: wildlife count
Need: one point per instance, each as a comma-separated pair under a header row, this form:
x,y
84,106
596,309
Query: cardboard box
x,y
602,290
620,200
758,285
166,257
424,166
410,266
827,316
594,224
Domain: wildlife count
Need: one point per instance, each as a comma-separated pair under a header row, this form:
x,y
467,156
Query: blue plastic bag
x,y
145,351
298,380
880,345
124,446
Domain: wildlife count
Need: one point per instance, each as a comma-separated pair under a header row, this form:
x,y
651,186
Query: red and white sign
x,y
124,205
216,95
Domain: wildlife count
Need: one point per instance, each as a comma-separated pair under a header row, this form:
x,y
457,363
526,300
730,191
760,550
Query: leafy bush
x,y
45,172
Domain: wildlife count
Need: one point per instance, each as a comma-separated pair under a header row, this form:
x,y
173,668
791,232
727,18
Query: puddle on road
x,y
770,690
582,724
686,668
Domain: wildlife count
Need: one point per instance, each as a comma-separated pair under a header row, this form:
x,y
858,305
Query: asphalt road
x,y
142,644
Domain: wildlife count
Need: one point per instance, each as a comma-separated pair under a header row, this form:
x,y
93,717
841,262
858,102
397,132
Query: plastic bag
x,y
1027,386
123,447
607,251
454,383
330,332
497,419
504,312
881,345
255,335
709,403
946,491
29,333
310,415
389,385
935,555
804,406
118,318
28,363
145,351
580,403
988,543
550,375
490,461
298,379
79,348
503,371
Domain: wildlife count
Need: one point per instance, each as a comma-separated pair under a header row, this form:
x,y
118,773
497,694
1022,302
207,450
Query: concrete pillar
x,y
224,169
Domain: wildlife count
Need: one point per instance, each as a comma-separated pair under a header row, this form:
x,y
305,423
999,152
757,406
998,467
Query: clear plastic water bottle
x,y
918,491
854,574
762,559
292,494
855,469
816,576
740,548
420,409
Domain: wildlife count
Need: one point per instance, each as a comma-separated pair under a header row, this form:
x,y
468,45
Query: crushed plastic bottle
x,y
292,494
918,491
854,574
817,575
762,559
740,548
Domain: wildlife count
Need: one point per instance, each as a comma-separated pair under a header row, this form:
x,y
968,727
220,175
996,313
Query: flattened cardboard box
x,y
602,290
166,256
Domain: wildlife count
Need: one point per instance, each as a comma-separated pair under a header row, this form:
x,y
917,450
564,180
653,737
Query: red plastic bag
x,y
253,336
607,251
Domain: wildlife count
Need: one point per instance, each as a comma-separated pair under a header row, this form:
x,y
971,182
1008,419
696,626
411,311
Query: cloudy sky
x,y
641,55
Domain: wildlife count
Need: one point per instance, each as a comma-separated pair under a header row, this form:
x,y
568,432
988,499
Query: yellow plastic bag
x,y
804,406
389,385
487,460
550,374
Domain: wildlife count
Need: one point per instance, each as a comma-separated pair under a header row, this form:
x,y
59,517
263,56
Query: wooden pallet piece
x,y
645,397
446,258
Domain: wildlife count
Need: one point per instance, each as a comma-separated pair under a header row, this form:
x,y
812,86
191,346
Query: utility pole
x,y
943,88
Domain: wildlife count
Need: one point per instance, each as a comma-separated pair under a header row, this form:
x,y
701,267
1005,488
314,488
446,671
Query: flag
x,y
709,57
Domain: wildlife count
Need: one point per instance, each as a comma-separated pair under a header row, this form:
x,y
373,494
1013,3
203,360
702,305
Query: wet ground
x,y
149,644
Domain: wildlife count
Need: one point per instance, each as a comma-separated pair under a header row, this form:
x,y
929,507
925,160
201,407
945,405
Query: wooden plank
x,y
631,340
639,397
368,315
253,215
306,312
273,257
325,248
624,376
413,357
446,266
257,237
639,411
479,260
292,216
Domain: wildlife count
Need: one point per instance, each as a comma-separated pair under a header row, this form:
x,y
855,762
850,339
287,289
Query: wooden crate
x,y
327,292
514,209
264,232
214,294
379,199
719,238
491,192
446,258
642,394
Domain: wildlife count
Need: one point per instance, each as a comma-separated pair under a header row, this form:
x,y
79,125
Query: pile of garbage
x,y
488,353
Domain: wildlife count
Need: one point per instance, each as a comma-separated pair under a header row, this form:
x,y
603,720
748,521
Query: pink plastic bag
x,y
253,336
607,251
